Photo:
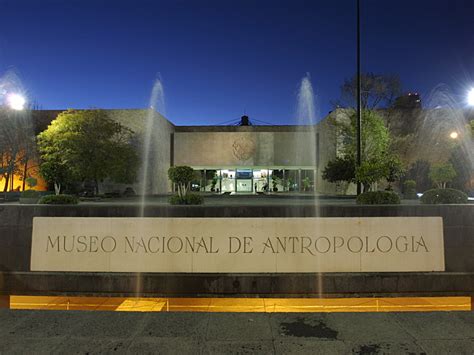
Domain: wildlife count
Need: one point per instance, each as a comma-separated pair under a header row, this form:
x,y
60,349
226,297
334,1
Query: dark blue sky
x,y
218,59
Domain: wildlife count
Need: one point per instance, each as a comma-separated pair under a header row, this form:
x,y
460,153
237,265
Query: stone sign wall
x,y
226,245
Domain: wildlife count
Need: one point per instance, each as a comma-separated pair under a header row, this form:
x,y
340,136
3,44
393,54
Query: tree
x,y
87,145
395,170
17,146
377,161
375,137
377,91
441,174
340,169
182,177
370,173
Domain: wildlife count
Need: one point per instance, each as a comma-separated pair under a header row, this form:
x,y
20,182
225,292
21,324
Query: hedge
x,y
189,199
378,198
59,200
440,196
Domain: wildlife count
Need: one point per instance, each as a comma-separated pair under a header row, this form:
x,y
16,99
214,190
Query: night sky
x,y
220,59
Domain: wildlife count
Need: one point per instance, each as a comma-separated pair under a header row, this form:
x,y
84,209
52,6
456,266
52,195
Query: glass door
x,y
244,180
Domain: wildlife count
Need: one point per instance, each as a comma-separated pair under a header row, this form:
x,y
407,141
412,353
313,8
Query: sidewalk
x,y
265,333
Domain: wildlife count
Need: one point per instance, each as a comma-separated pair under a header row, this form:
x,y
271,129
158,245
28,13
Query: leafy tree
x,y
377,161
87,145
370,173
441,174
55,170
375,137
395,170
340,169
182,177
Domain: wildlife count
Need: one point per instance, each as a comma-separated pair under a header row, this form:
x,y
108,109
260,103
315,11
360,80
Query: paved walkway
x,y
237,333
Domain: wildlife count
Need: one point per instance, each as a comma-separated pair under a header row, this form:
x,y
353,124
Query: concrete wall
x,y
245,149
15,249
159,157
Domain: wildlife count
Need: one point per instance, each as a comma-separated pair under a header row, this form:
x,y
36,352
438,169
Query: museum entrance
x,y
251,180
244,181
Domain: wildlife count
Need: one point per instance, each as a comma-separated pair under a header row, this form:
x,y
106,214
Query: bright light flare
x,y
16,102
454,135
470,97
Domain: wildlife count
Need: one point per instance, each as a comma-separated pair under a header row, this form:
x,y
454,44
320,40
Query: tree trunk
x,y
25,169
57,188
7,180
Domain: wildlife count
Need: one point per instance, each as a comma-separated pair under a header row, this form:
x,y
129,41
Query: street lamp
x,y
470,97
16,101
358,94
454,135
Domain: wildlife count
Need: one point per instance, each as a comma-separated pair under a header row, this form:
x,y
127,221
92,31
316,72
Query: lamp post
x,y
359,113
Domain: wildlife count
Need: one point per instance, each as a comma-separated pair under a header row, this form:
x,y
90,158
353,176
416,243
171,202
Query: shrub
x,y
436,196
410,190
441,174
31,182
59,200
189,199
30,194
378,198
340,169
182,177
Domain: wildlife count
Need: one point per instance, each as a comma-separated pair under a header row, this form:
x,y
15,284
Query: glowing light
x,y
454,135
470,97
16,102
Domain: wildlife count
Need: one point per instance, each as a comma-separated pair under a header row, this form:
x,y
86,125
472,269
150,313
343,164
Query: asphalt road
x,y
82,332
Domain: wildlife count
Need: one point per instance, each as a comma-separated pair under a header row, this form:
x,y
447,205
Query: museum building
x,y
236,159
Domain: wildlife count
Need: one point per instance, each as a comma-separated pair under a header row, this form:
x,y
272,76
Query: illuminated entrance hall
x,y
252,180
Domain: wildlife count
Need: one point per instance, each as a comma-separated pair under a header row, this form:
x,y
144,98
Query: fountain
x,y
306,119
150,159
305,150
443,127
150,135
306,109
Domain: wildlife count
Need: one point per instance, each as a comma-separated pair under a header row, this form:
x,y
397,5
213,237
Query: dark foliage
x,y
378,198
443,196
